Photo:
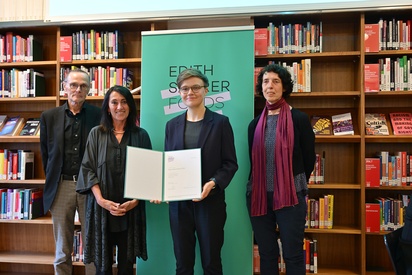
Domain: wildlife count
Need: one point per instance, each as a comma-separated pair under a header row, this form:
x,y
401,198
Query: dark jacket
x,y
303,160
216,141
52,145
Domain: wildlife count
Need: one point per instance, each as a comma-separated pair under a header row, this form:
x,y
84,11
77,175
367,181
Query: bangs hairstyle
x,y
188,73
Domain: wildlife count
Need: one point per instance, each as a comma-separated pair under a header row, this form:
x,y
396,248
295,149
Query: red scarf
x,y
284,194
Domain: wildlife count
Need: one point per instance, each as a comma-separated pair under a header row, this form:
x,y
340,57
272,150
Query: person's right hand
x,y
156,201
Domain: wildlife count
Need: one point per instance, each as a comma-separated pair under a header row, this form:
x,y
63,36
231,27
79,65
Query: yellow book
x,y
330,211
321,213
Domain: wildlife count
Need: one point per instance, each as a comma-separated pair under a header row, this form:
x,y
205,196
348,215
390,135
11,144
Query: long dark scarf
x,y
284,194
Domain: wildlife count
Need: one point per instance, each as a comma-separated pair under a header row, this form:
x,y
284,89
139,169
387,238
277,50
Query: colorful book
x,y
372,172
12,126
372,217
342,124
372,38
66,48
401,123
372,73
261,41
376,124
31,127
322,125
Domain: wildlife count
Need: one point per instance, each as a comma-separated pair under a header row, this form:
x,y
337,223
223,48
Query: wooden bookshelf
x,y
27,246
337,87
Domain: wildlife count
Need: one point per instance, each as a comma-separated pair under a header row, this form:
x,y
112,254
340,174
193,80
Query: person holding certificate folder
x,y
112,219
199,127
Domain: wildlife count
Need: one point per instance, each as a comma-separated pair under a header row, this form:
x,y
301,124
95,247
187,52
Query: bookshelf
x,y
27,246
337,87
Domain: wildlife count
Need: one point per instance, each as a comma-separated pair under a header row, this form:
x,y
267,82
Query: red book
x,y
256,259
307,255
66,48
372,73
401,123
372,38
372,222
261,41
372,172
9,47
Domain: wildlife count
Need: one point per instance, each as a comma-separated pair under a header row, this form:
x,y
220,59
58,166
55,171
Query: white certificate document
x,y
164,176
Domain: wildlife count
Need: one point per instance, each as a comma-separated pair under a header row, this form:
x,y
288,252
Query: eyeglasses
x,y
195,89
75,86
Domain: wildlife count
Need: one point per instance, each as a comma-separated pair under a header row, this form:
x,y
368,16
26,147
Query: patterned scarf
x,y
284,194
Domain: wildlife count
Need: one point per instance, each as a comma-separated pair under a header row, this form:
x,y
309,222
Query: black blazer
x,y
216,141
52,142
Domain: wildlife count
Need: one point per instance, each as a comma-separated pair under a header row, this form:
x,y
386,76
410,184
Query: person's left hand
x,y
206,190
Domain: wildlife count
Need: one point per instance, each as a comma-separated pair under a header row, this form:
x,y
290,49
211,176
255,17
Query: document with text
x,y
163,176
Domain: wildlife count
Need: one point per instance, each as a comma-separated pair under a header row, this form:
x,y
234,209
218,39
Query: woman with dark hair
x,y
282,155
111,219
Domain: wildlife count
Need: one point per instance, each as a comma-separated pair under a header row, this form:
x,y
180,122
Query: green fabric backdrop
x,y
226,56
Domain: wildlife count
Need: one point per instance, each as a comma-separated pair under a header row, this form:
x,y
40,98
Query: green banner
x,y
226,57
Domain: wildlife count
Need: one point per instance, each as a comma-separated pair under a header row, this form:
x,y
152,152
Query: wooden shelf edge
x,y
41,258
31,181
91,98
105,61
29,99
45,220
337,186
311,55
20,139
335,230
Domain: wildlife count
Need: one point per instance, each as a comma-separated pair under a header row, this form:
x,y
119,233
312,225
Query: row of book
x,y
22,83
339,124
385,214
77,254
376,124
17,48
300,73
101,78
21,203
320,212
288,38
388,169
91,45
16,164
18,126
310,250
389,74
388,34
318,174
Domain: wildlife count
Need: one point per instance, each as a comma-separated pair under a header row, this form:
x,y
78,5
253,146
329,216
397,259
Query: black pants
x,y
124,266
206,220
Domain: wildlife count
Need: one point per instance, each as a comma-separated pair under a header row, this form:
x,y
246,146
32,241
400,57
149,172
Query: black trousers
x,y
204,219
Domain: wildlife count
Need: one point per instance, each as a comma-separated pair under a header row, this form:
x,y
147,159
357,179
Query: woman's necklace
x,y
118,132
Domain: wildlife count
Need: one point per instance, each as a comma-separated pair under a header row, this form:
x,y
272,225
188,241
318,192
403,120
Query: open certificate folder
x,y
164,176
